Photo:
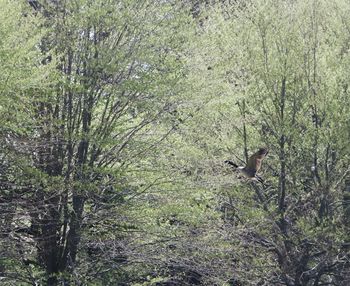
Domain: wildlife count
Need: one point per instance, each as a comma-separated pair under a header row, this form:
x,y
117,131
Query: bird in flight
x,y
253,166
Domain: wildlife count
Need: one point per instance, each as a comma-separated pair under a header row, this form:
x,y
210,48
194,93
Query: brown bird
x,y
253,165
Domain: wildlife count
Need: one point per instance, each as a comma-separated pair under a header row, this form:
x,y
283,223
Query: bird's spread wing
x,y
254,162
253,165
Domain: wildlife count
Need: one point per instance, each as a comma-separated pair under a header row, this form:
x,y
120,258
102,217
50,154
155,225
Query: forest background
x,y
116,118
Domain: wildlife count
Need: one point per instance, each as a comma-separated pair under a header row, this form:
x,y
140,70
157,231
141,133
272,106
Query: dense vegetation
x,y
116,118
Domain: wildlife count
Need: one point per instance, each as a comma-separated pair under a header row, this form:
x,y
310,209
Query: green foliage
x,y
116,120
278,87
22,75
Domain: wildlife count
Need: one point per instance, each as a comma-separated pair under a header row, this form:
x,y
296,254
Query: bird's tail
x,y
231,163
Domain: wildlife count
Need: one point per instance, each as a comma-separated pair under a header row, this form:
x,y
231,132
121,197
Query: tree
x,y
119,71
271,65
21,77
